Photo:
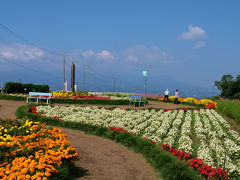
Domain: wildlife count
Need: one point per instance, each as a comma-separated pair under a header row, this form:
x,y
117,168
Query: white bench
x,y
39,95
136,99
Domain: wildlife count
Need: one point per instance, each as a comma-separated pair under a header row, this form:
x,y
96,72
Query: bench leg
x,y
37,100
47,101
27,100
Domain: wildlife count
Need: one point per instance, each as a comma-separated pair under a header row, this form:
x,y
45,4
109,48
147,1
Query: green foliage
x,y
14,98
230,87
15,87
230,109
169,167
118,94
73,101
68,171
91,101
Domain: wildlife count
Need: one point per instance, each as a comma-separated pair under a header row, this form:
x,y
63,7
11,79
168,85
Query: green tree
x,y
230,88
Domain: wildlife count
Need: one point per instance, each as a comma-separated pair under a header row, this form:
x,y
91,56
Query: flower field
x,y
83,95
204,134
30,151
191,100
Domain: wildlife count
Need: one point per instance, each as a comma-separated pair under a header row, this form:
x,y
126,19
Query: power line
x,y
15,45
7,29
29,68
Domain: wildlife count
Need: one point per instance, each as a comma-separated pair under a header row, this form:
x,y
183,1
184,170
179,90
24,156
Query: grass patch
x,y
230,109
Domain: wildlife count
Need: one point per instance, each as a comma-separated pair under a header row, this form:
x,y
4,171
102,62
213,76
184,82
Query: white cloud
x,y
20,52
88,54
139,55
132,58
195,32
105,54
199,44
149,55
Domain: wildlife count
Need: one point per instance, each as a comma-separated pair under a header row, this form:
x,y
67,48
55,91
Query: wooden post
x,y
73,77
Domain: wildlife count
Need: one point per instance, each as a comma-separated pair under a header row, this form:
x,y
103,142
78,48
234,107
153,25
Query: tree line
x,y
229,87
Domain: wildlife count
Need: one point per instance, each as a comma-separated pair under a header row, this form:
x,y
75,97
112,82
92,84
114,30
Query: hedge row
x,y
169,167
16,87
91,101
70,101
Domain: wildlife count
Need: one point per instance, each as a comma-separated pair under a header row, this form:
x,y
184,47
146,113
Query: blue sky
x,y
188,42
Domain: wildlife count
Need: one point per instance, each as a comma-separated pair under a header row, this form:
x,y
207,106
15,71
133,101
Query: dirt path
x,y
104,159
99,158
8,108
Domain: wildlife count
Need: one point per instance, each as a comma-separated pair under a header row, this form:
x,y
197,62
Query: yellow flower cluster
x,y
68,93
192,100
31,151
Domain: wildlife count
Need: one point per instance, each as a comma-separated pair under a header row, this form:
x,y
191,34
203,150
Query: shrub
x,y
15,87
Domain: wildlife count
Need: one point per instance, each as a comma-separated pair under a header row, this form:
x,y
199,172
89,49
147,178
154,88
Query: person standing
x,y
176,97
166,96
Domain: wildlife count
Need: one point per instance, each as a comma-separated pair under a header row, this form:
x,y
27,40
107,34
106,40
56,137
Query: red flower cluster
x,y
211,106
90,97
112,128
34,110
177,153
185,110
196,163
154,142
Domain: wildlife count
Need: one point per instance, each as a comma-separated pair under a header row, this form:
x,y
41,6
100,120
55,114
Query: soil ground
x,y
99,158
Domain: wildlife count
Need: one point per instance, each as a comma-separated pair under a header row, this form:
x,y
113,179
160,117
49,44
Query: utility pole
x,y
64,73
73,77
84,77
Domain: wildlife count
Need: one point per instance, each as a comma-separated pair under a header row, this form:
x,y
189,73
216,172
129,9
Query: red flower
x,y
211,106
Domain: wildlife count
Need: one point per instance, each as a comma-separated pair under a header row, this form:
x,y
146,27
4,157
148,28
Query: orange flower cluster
x,y
35,155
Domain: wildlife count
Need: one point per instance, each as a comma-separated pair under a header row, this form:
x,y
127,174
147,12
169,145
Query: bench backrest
x,y
135,97
39,94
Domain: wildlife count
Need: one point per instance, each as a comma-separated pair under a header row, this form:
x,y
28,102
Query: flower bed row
x,y
192,101
168,166
83,95
195,163
215,142
72,101
30,151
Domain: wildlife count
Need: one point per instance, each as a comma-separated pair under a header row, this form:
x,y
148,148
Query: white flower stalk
x,y
219,144
185,142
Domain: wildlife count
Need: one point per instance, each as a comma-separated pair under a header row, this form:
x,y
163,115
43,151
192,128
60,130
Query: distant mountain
x,y
127,82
